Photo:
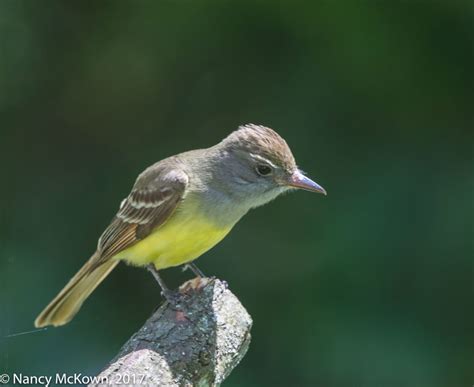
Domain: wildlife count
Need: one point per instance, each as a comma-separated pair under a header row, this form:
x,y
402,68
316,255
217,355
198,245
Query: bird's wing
x,y
153,199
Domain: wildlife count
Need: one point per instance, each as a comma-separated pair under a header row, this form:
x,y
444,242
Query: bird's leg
x,y
170,295
195,269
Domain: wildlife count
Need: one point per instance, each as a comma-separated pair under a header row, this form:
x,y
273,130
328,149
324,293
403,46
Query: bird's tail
x,y
67,303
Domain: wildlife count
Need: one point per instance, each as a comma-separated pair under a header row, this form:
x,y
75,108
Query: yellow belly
x,y
181,239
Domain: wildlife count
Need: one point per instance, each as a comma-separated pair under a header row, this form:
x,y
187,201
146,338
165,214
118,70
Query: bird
x,y
182,206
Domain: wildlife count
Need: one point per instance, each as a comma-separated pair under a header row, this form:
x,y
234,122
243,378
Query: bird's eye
x,y
264,170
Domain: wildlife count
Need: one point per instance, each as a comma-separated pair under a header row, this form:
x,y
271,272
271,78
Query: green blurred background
x,y
370,286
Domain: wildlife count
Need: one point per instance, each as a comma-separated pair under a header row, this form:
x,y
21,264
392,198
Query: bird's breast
x,y
189,233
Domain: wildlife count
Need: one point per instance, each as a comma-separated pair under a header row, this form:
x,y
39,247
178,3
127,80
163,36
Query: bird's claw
x,y
173,297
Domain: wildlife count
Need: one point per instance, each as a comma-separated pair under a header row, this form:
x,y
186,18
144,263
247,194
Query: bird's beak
x,y
298,180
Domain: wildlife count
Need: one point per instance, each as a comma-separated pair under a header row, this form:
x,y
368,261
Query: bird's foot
x,y
173,297
192,266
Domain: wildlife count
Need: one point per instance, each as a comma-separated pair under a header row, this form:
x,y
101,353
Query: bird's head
x,y
261,165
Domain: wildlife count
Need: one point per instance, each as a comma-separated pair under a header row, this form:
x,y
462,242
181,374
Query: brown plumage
x,y
263,141
153,199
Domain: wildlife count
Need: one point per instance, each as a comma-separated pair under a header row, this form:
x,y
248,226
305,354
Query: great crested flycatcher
x,y
182,206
